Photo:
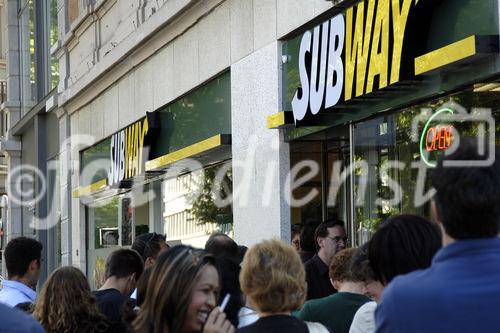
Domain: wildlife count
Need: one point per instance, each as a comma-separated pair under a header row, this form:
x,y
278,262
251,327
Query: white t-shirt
x,y
364,319
247,316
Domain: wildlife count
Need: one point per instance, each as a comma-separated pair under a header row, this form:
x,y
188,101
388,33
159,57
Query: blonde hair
x,y
273,277
65,304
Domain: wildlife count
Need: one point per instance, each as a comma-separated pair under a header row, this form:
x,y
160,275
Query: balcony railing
x,y
3,91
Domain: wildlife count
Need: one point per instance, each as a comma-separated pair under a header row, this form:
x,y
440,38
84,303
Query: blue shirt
x,y
15,321
14,292
460,292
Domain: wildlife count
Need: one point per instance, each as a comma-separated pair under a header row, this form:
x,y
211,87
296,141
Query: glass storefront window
x,y
391,139
106,232
191,211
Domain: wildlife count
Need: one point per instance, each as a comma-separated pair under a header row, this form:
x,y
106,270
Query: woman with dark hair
x,y
402,244
65,304
182,294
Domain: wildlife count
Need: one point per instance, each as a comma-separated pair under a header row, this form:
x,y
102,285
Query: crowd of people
x,y
413,275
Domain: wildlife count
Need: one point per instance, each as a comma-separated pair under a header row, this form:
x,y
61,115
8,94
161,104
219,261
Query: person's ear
x,y
320,241
149,262
335,284
34,265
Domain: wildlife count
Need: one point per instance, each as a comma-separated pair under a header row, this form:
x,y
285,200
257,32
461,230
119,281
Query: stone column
x,y
260,156
65,167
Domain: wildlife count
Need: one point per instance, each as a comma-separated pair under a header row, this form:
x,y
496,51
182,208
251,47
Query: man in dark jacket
x,y
330,238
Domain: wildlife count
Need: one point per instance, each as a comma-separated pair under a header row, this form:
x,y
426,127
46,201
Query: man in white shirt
x,y
23,260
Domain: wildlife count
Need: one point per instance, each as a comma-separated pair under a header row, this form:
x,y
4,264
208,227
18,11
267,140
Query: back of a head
x,y
322,229
169,289
360,265
19,253
273,276
220,244
307,242
148,245
402,244
467,198
65,302
340,266
123,263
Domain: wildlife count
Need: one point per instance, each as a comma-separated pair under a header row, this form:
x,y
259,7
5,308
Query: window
x,y
54,64
392,138
27,55
190,209
73,11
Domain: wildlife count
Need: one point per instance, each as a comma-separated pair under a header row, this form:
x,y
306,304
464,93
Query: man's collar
x,y
323,268
21,287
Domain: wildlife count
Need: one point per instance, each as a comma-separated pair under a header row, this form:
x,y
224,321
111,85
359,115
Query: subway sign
x,y
130,149
351,55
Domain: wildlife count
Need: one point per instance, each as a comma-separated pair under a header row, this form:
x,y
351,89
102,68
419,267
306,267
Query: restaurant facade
x,y
188,117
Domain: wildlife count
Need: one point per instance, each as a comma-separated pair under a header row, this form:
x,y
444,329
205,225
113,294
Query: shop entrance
x,y
321,160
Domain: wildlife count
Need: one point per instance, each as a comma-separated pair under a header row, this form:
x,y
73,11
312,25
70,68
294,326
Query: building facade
x,y
246,116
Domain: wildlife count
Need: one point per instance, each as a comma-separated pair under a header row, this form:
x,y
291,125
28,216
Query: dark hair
x,y
19,253
402,244
220,244
124,262
27,307
307,240
322,229
142,285
360,265
295,230
170,287
468,198
148,245
242,249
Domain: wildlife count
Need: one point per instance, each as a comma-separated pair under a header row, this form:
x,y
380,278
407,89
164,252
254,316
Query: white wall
x,y
117,73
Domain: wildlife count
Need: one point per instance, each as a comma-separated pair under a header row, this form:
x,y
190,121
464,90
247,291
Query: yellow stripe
x,y
183,153
82,191
446,55
276,120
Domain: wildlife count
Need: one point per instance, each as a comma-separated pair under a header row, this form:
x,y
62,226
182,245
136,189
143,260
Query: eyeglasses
x,y
337,239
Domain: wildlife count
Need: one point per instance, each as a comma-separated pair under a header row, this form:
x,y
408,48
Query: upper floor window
x,y
27,55
54,64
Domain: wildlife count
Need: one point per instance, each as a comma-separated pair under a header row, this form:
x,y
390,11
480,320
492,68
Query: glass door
x,y
323,159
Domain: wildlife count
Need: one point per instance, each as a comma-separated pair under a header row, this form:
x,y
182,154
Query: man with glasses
x,y
23,258
149,246
330,238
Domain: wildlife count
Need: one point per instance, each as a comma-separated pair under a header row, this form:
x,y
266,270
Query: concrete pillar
x,y
77,209
261,159
65,186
